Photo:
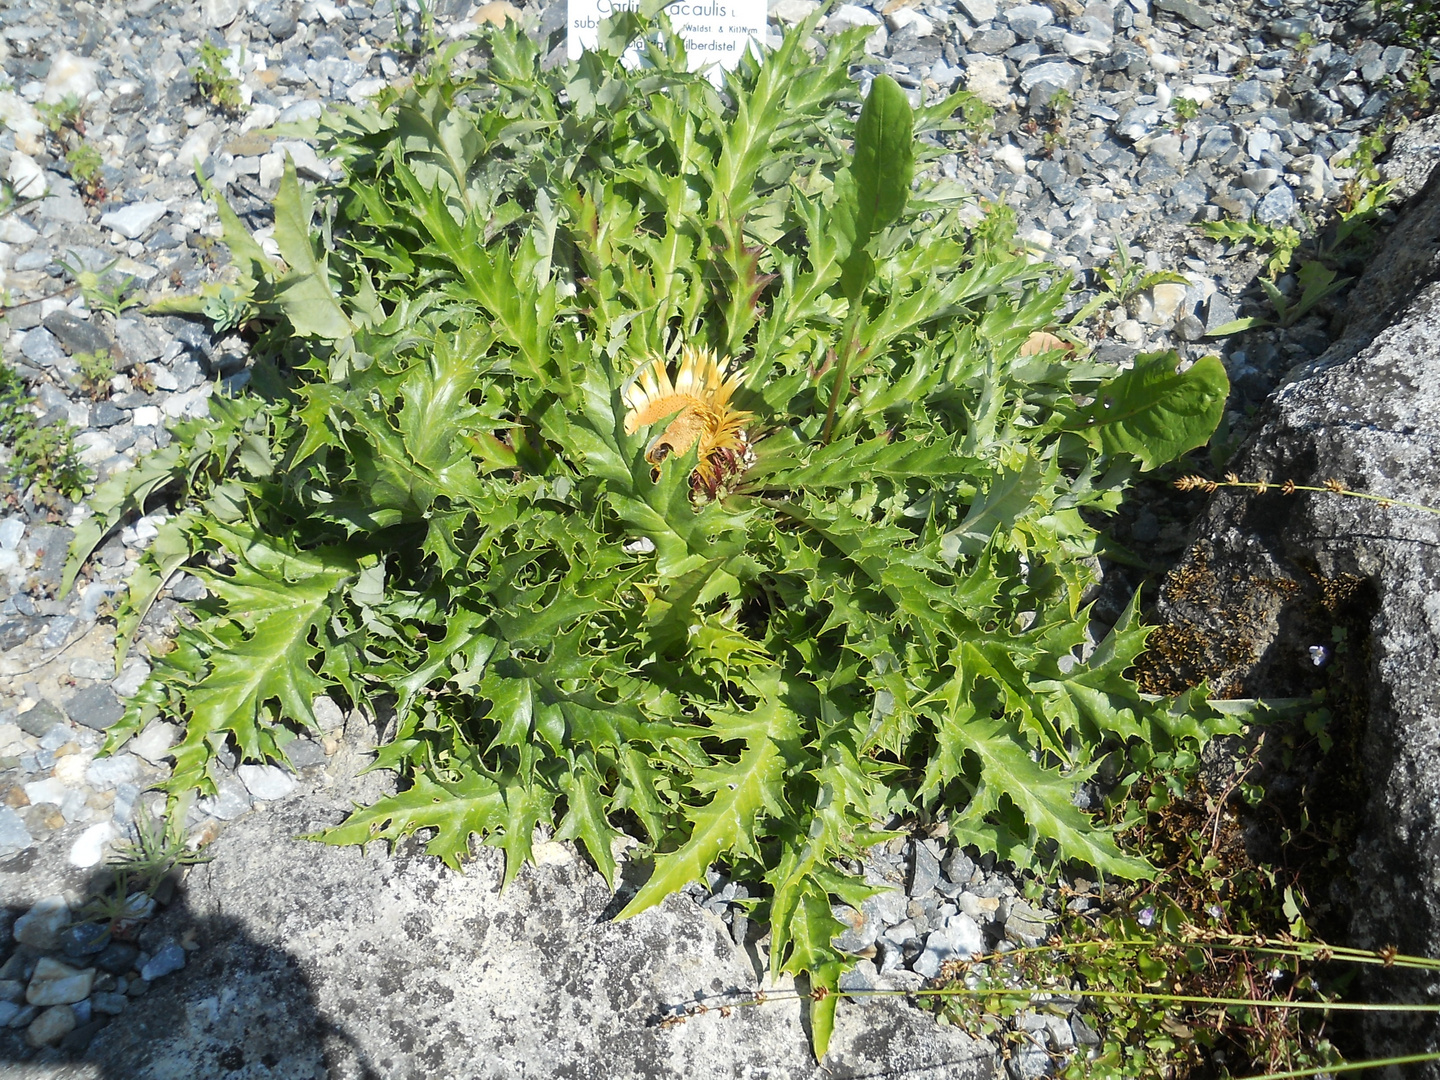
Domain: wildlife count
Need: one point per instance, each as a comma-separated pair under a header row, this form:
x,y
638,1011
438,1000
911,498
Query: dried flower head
x,y
699,400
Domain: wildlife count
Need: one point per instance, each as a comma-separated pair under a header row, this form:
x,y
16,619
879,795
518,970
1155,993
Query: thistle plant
x,y
668,464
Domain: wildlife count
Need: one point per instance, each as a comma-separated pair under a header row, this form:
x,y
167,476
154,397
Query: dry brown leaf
x,y
1044,341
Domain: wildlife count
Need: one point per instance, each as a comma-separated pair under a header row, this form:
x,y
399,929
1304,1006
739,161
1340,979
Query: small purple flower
x,y
1146,918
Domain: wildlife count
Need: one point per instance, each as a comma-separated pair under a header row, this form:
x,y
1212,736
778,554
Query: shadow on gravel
x,y
237,1008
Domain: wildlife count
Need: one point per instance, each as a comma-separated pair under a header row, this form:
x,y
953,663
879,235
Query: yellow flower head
x,y
699,400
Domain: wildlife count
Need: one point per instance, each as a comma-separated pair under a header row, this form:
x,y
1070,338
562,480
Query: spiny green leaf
x,y
473,805
1007,769
741,793
585,819
269,604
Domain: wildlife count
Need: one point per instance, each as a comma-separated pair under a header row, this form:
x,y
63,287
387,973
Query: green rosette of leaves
x,y
839,583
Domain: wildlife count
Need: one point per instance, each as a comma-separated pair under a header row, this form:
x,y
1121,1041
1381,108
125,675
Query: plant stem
x,y
1318,953
1349,1066
842,370
1260,487
1108,995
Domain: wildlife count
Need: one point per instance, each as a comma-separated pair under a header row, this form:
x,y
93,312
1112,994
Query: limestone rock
x,y
1254,605
390,964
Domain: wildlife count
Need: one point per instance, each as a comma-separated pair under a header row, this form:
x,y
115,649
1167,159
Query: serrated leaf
x,y
168,551
124,493
741,793
1008,496
1154,412
585,819
270,604
1040,794
455,810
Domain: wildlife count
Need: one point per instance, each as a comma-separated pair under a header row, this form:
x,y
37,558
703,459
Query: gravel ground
x,y
1169,113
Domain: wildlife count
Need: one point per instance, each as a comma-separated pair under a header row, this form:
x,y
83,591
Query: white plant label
x,y
714,31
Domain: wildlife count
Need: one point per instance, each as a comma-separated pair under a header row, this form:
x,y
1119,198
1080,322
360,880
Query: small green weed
x,y
103,291
1282,241
96,371
85,163
423,39
1419,22
994,234
141,866
227,309
1122,280
1418,87
1186,109
158,848
58,116
1364,159
142,377
977,118
212,78
1316,283
1323,252
40,458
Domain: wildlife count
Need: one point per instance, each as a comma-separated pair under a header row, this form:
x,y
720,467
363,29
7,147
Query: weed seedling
x,y
101,292
62,114
1281,240
96,371
158,848
84,163
977,118
213,81
39,457
1317,283
1120,282
142,378
1186,109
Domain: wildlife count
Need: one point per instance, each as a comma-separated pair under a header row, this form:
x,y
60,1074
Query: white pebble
x,y
266,781
49,790
86,667
90,848
70,75
11,530
1167,298
154,743
19,116
70,769
26,176
106,772
1164,64
1012,157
